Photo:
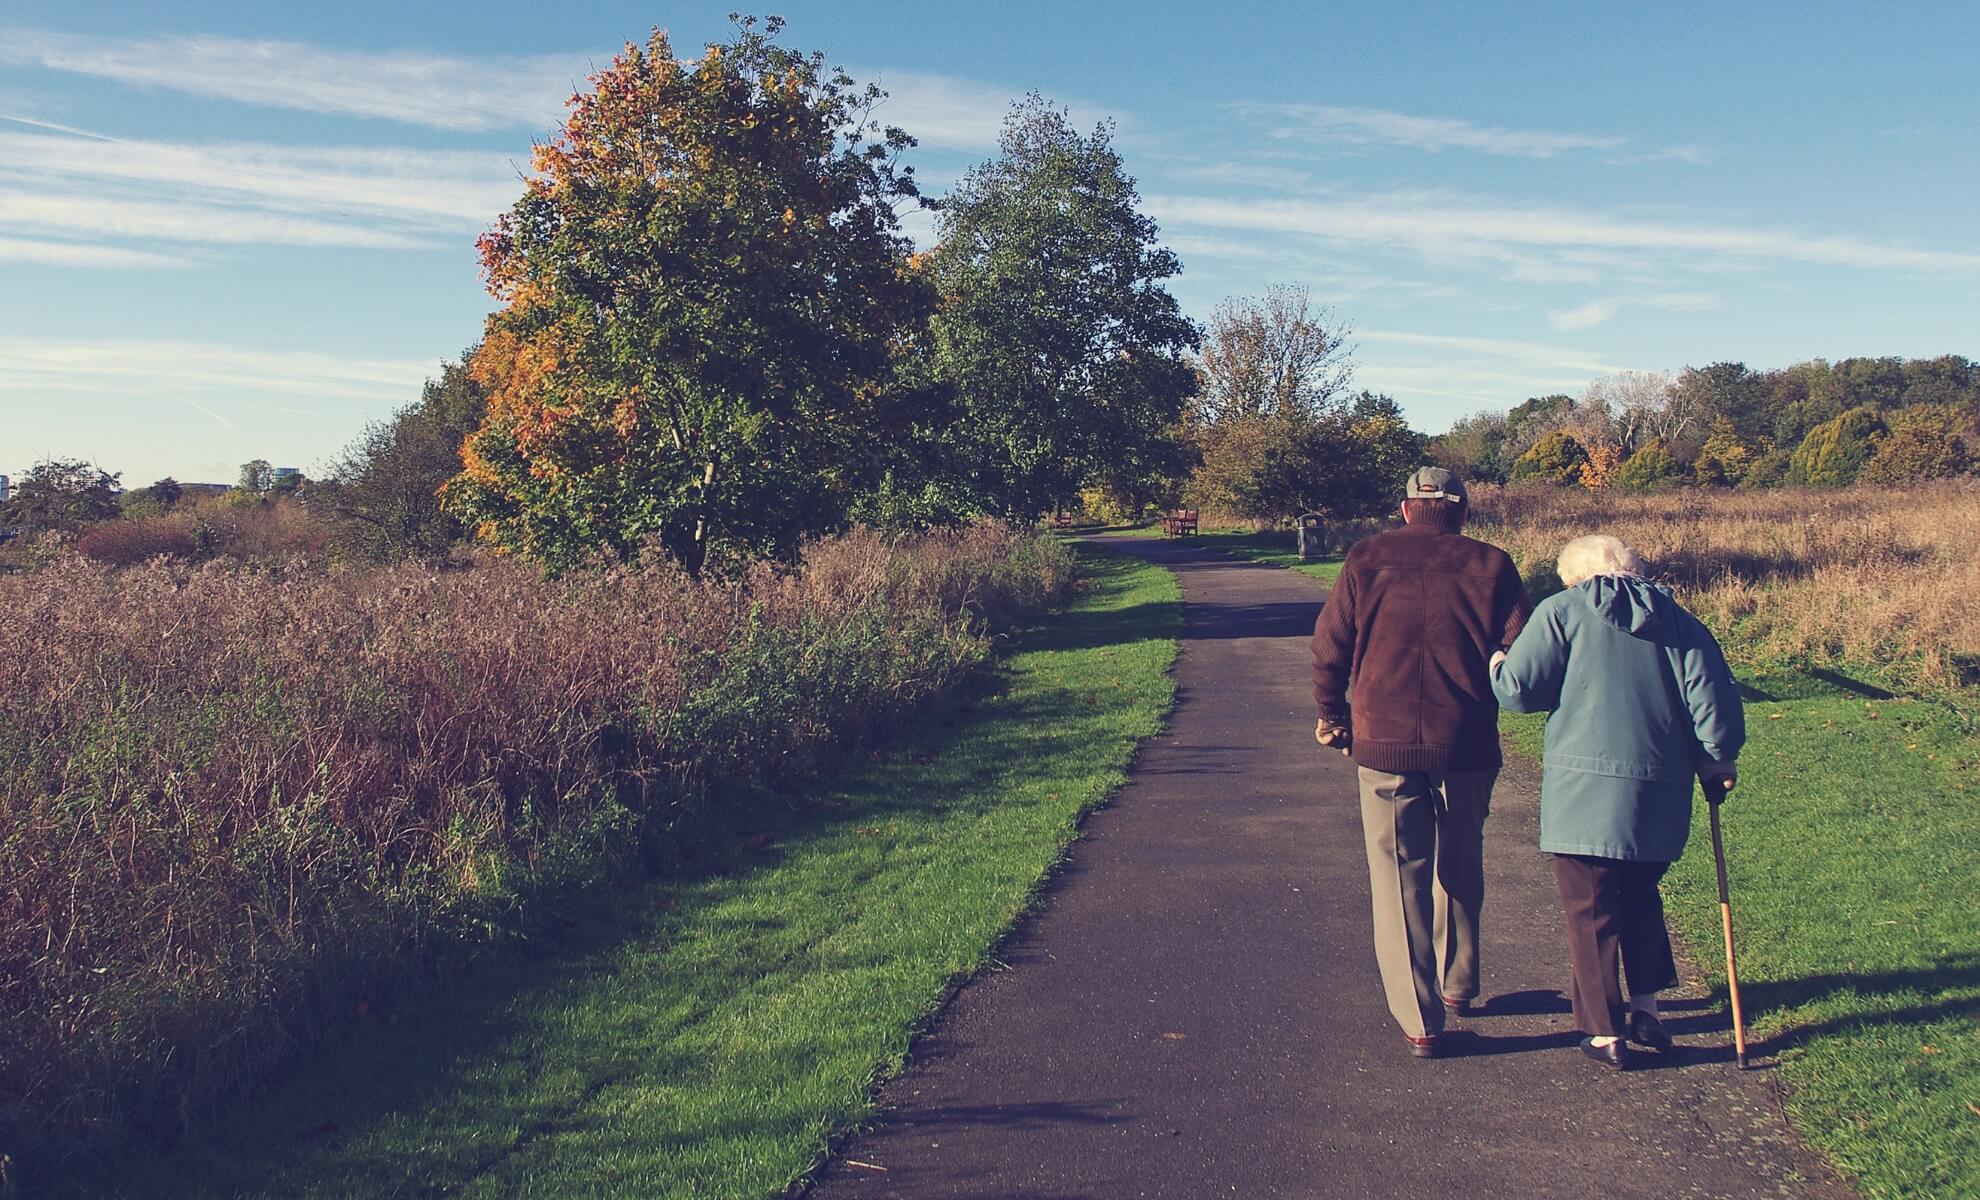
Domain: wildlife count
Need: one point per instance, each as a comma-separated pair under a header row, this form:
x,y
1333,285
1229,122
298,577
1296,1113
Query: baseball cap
x,y
1435,483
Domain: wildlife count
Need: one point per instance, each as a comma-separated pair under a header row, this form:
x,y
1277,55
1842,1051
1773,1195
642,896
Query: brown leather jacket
x,y
1411,624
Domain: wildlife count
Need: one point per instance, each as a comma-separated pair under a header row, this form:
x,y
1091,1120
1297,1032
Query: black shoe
x,y
1646,1030
1615,1054
1426,1047
1457,1008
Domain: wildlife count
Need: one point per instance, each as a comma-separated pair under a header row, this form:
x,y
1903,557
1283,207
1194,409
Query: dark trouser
x,y
1612,905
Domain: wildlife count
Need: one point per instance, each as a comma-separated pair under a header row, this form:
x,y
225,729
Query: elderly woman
x,y
1642,701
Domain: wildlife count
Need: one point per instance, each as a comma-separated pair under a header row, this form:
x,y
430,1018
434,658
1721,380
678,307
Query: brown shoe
x,y
1426,1047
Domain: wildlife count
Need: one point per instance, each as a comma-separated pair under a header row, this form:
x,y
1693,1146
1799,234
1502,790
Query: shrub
x,y
1650,469
1834,452
237,803
1925,442
1556,458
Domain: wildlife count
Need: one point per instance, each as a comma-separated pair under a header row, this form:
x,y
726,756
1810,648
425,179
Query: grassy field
x,y
708,1038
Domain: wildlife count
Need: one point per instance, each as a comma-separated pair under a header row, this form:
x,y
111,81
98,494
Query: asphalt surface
x,y
1194,1010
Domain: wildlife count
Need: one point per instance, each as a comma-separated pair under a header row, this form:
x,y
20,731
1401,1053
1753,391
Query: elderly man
x,y
1410,627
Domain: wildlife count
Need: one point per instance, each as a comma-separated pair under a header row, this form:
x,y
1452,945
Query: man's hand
x,y
1334,737
1718,780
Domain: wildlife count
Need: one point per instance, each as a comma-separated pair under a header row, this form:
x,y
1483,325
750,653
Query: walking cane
x,y
1723,787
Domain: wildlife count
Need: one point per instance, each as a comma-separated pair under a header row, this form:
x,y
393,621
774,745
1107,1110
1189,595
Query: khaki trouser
x,y
1426,878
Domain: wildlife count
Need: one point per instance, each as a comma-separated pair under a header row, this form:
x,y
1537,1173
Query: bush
x,y
1556,458
222,528
1833,453
237,804
1649,469
1925,442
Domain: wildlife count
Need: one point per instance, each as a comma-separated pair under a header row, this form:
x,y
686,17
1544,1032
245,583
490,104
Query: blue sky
x,y
243,230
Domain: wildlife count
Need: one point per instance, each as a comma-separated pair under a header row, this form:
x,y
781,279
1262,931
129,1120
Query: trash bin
x,y
1312,537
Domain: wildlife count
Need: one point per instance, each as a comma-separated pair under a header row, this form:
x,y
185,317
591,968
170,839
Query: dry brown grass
x,y
1863,577
235,802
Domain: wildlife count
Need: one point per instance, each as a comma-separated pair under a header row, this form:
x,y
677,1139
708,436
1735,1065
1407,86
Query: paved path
x,y
1194,1011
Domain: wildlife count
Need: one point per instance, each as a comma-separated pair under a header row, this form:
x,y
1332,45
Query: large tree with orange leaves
x,y
707,302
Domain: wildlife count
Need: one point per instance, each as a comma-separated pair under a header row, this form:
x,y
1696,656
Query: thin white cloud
x,y
83,256
446,188
1596,312
194,370
949,112
405,86
1555,358
1433,225
186,222
1375,126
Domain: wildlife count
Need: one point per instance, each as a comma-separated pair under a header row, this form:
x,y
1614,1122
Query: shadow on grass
x,y
1954,982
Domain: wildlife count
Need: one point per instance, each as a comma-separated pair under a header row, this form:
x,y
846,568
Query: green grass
x,y
1275,546
707,1038
1853,850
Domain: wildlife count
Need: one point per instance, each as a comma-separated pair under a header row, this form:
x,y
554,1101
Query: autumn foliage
x,y
706,297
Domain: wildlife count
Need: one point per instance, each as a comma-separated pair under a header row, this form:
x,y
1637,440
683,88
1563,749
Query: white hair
x,y
1597,554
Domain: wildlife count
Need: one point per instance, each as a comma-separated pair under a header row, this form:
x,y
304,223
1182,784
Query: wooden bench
x,y
1180,523
1062,520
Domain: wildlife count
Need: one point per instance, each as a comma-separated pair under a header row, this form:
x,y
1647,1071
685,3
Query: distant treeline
x,y
1870,420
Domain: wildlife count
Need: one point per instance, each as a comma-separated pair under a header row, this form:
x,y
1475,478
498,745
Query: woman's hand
x,y
1498,656
1334,737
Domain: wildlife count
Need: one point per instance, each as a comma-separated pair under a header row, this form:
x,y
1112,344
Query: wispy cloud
x,y
1436,225
406,86
99,191
1473,371
185,222
1375,126
1566,358
83,255
1596,312
446,188
198,371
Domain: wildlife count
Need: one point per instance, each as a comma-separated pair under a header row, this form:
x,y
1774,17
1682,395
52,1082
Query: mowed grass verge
x,y
1277,547
1853,851
709,1037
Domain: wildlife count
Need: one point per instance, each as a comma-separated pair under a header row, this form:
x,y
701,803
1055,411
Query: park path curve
x,y
1193,1011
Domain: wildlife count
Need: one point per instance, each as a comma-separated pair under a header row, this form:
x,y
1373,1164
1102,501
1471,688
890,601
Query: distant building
x,y
284,479
6,489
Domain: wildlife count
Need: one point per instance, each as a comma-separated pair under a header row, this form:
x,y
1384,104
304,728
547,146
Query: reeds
x,y
1857,577
237,801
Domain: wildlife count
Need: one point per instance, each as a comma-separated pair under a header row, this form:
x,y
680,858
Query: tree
x,y
1276,356
706,304
1834,452
255,477
1926,441
153,501
1065,351
384,492
1556,458
1728,392
1725,457
60,495
1474,448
